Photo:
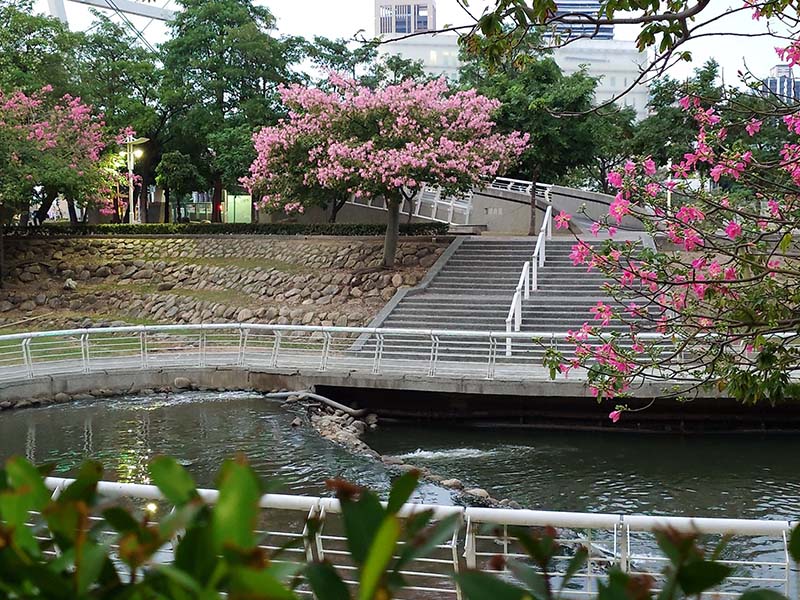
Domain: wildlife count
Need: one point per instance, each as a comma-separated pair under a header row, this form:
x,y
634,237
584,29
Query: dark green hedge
x,y
341,229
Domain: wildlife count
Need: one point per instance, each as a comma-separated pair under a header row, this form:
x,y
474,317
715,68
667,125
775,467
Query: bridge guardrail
x,y
757,549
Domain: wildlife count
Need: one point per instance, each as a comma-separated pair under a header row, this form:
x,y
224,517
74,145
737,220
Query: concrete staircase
x,y
473,290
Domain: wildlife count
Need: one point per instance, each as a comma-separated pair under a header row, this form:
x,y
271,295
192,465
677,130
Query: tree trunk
x,y
410,209
73,214
336,206
533,228
25,215
41,213
216,201
392,232
166,205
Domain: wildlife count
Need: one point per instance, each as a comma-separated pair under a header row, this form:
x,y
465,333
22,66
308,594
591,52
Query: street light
x,y
132,153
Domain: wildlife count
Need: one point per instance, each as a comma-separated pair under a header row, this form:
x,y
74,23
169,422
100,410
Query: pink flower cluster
x,y
377,142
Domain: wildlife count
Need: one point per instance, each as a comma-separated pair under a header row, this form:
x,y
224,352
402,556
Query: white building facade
x,y
395,19
617,64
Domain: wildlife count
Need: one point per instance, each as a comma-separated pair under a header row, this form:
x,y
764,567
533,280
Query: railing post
x,y
326,347
376,363
623,545
549,221
276,347
202,348
434,355
240,359
508,339
517,312
143,348
27,357
469,545
535,274
492,357
85,352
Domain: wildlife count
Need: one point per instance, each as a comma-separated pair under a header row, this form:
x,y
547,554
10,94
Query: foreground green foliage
x,y
67,553
342,229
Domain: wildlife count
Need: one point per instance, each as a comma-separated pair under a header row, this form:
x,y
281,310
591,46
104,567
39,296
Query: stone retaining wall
x,y
285,280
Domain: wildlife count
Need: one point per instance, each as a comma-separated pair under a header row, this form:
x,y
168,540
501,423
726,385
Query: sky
x,y
344,18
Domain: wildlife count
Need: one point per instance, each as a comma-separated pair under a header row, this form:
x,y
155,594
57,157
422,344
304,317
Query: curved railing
x,y
416,352
757,550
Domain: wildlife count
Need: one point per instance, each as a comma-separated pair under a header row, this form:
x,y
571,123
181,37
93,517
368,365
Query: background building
x,y
396,19
604,32
617,64
782,83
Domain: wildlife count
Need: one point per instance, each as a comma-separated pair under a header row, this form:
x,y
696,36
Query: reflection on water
x,y
724,476
200,430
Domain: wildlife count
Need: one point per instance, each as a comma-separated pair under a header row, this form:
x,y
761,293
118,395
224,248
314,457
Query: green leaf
x,y
120,519
401,491
325,582
476,585
25,477
14,507
90,561
794,544
533,580
235,515
84,488
362,518
195,552
252,584
576,563
173,480
436,535
380,553
701,575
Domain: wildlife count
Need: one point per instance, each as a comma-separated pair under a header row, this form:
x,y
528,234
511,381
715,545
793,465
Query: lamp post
x,y
131,153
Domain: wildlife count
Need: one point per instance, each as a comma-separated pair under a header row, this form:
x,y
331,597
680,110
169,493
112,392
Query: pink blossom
x,y
619,207
562,220
753,127
649,166
614,179
733,230
614,415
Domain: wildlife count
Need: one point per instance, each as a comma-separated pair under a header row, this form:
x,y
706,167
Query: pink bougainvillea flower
x,y
614,415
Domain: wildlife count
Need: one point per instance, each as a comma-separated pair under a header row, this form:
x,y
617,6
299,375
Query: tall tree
x,y
226,63
124,80
383,143
177,175
35,50
533,93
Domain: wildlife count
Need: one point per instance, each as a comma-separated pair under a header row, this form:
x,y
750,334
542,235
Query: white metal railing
x,y
522,186
371,351
429,203
528,279
757,550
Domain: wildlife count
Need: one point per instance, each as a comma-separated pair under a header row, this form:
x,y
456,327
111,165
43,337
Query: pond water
x,y
200,430
742,476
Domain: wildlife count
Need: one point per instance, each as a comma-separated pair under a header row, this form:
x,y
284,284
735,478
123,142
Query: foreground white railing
x,y
528,279
374,351
757,550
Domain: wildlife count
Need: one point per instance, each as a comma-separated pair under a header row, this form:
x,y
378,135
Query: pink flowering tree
x,y
51,146
717,304
355,141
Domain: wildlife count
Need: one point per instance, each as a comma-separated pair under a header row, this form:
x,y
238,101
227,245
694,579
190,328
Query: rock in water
x,y
182,383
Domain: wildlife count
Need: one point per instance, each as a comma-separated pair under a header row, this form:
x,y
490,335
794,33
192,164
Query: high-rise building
x,y
395,20
579,27
398,18
782,83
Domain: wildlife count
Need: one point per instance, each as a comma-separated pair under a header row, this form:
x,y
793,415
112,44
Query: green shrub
x,y
338,229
